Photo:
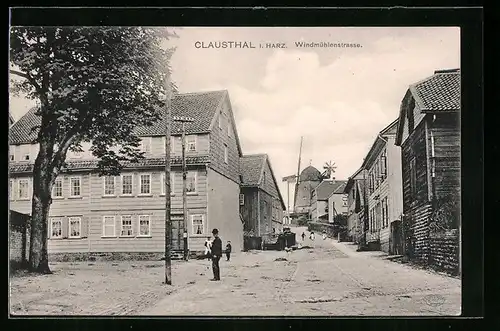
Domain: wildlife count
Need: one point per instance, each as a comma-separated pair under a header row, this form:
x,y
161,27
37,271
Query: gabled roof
x,y
252,167
85,165
379,143
350,180
11,119
328,187
439,92
201,106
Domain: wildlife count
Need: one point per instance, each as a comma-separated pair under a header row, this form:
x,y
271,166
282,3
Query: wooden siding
x,y
267,182
223,209
445,131
218,139
249,210
156,199
415,146
419,224
418,117
266,209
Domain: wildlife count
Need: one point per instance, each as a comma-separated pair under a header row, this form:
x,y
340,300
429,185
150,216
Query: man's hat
x,y
214,231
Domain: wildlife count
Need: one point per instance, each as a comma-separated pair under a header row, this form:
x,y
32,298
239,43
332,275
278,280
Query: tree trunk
x,y
42,173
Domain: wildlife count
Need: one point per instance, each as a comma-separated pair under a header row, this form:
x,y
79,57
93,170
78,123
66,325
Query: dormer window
x,y
145,145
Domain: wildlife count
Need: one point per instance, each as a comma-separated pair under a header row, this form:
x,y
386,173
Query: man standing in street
x,y
216,254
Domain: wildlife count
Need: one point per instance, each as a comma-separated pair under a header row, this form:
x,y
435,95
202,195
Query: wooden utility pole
x,y
168,223
184,120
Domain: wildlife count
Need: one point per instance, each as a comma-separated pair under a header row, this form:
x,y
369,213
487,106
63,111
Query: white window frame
x,y
104,218
172,183
193,232
54,196
71,186
226,154
131,185
52,220
139,226
27,188
75,218
131,226
195,174
194,141
104,186
242,199
143,140
140,184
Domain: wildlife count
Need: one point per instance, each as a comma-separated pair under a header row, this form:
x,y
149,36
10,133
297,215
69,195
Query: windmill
x,y
329,170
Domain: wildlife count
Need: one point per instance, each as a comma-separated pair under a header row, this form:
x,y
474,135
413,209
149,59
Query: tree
x,y
93,85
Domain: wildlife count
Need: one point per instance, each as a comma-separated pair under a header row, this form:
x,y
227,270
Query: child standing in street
x,y
228,250
208,243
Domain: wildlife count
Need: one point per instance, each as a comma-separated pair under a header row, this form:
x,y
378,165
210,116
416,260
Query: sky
x,y
338,99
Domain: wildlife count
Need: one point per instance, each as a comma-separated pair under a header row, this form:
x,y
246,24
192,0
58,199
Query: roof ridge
x,y
200,92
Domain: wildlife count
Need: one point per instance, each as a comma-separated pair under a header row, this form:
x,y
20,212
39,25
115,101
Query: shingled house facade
x,y
126,213
261,204
429,135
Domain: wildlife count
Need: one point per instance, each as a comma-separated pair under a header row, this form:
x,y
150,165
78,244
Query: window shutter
x,y
84,226
118,225
65,227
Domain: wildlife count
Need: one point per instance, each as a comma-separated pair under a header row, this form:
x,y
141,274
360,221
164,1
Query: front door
x,y
177,239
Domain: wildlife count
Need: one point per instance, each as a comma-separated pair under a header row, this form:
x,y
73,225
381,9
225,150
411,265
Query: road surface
x,y
329,279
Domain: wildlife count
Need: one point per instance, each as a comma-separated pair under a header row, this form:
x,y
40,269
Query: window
x,y
145,145
191,143
172,180
191,179
55,228
344,201
385,214
109,185
242,199
75,227
144,225
57,191
145,184
127,184
108,226
126,230
75,186
23,188
11,157
226,156
198,224
383,165
26,157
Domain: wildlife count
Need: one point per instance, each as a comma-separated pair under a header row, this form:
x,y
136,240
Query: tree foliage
x,y
93,85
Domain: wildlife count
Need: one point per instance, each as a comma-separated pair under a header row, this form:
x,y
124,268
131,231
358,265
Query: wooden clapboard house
x,y
126,214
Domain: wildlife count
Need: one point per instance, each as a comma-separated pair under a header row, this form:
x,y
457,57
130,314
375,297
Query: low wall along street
x,y
444,251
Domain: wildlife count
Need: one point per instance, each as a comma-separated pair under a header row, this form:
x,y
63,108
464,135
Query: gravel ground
x,y
329,279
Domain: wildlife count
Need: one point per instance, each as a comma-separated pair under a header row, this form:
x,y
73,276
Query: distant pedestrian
x,y
311,236
216,254
324,235
228,251
208,245
303,236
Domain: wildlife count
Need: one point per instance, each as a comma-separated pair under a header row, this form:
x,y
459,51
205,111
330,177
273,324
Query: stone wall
x,y
444,251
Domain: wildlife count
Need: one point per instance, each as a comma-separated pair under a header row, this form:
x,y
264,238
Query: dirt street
x,y
330,278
